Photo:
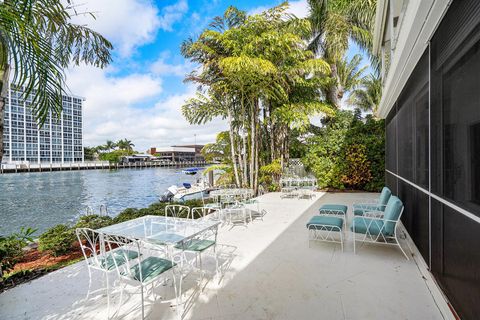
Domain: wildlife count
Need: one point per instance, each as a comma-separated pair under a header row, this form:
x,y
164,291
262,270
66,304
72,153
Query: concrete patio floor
x,y
273,274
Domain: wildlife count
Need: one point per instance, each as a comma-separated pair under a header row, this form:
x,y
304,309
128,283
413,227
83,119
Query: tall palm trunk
x,y
245,158
333,90
257,148
252,145
232,147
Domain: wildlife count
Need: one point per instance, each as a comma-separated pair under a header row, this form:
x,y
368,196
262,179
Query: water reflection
x,y
42,200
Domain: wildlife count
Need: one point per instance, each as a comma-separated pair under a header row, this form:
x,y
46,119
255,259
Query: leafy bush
x,y
114,156
270,175
11,249
58,240
348,152
93,221
357,167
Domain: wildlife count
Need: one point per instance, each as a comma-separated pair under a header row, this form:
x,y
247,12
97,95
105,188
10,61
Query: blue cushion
x,y
151,267
327,221
333,207
384,196
392,212
361,225
360,209
120,256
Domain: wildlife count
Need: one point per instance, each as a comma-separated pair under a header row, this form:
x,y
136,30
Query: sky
x,y
140,94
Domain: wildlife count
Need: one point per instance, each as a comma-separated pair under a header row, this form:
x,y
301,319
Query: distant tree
x,y
125,144
350,74
368,95
89,153
110,145
334,23
37,42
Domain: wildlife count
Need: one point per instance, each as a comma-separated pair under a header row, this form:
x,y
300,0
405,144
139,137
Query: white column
x,y
51,142
61,129
73,134
24,130
10,121
81,125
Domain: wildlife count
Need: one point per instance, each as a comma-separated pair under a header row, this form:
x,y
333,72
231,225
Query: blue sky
x,y
140,94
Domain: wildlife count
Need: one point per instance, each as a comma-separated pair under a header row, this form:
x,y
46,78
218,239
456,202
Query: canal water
x,y
42,200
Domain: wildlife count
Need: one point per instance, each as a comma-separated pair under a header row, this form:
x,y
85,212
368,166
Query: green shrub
x,y
348,152
357,167
58,240
127,214
93,221
11,249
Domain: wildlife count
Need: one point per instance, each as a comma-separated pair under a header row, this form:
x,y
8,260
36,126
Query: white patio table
x,y
162,231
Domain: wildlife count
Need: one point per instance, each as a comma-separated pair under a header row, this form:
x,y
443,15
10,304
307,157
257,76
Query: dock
x,y
94,165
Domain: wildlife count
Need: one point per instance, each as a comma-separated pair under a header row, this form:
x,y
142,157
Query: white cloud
x,y
128,24
299,8
173,13
111,110
163,68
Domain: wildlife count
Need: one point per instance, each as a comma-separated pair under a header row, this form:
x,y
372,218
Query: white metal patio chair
x,y
93,250
200,243
377,205
237,214
177,211
146,268
379,229
202,212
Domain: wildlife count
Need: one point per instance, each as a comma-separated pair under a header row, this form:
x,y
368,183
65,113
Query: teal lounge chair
x,y
379,230
375,208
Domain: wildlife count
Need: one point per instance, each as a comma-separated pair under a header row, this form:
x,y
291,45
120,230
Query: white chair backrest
x,y
120,249
90,244
201,212
177,211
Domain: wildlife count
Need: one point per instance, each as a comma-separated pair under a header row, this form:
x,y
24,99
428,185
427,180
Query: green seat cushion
x,y
361,225
120,256
150,267
196,245
326,221
359,209
392,212
385,196
333,207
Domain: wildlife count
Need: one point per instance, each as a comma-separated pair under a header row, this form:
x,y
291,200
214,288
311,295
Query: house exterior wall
x,y
433,154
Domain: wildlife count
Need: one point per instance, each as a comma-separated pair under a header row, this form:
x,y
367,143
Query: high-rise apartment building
x,y
58,140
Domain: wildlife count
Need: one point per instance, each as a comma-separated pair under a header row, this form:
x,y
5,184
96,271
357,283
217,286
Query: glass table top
x,y
160,229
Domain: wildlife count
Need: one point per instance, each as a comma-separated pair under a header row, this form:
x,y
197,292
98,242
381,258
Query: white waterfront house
x,y
59,140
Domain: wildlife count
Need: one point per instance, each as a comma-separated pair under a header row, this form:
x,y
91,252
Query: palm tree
x,y
367,97
350,74
334,23
129,144
257,74
110,145
37,42
125,144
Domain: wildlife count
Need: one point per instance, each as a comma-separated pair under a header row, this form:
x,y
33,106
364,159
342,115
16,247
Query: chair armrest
x,y
366,204
373,214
